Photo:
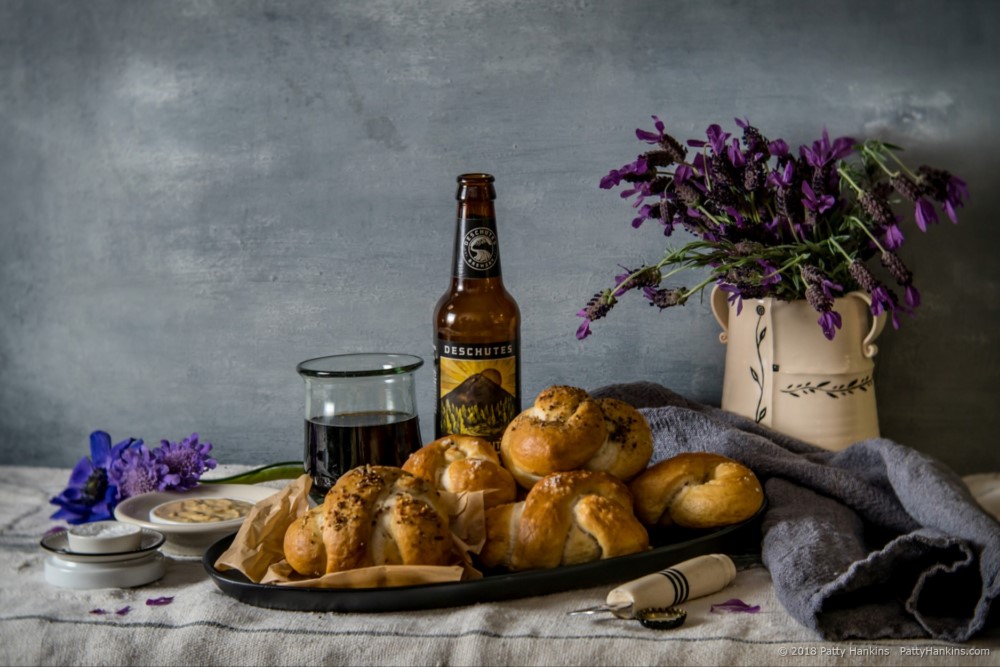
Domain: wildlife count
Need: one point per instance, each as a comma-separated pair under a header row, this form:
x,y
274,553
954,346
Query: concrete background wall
x,y
197,195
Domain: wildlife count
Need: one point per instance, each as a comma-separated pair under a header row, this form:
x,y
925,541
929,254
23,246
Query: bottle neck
x,y
476,254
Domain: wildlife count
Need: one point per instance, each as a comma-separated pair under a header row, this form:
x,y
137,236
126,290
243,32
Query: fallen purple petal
x,y
98,612
158,602
734,606
54,530
124,610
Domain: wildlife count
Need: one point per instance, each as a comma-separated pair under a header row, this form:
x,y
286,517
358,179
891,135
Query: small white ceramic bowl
x,y
104,537
189,539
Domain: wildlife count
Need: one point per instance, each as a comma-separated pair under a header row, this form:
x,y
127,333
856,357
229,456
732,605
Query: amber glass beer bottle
x,y
477,326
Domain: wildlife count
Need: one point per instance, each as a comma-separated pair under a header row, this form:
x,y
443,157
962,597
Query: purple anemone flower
x,y
185,461
92,492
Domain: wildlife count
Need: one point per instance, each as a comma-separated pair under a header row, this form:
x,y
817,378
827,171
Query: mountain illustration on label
x,y
477,406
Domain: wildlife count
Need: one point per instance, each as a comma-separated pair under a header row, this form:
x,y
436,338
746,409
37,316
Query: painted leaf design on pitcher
x,y
835,391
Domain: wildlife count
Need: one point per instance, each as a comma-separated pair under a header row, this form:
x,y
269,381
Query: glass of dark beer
x,y
361,409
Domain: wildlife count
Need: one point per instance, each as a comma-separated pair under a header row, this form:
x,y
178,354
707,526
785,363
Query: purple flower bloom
x,y
778,148
584,329
716,138
769,275
138,472
893,238
159,602
92,493
649,137
782,178
185,461
924,214
734,295
644,214
814,203
823,152
912,296
734,606
956,190
615,176
735,215
736,155
683,173
829,322
882,302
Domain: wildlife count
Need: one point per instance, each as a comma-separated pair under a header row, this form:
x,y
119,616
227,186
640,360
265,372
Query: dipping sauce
x,y
201,510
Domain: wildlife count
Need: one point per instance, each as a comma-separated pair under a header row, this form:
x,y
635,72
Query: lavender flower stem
x,y
879,160
843,173
867,231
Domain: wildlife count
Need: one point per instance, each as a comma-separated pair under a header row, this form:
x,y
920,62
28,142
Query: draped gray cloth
x,y
876,541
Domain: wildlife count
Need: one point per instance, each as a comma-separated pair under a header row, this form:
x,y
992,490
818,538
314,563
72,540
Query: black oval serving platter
x,y
738,538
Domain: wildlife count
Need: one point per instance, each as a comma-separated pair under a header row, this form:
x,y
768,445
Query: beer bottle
x,y
477,326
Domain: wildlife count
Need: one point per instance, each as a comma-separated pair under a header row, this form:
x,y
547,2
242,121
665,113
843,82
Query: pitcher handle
x,y
720,308
868,346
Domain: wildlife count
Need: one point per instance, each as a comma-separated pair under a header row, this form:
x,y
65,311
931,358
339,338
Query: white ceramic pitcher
x,y
782,371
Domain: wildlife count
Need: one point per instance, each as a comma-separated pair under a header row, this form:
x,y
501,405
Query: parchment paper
x,y
258,554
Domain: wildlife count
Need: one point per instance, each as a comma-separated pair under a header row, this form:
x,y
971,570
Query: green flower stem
x,y
903,166
697,288
268,473
847,177
836,245
873,154
865,229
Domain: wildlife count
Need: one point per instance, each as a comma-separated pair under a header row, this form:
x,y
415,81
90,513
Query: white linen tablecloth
x,y
44,625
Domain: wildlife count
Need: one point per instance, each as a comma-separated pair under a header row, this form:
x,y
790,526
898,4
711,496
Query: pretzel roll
x,y
373,515
567,518
628,445
696,490
460,463
561,431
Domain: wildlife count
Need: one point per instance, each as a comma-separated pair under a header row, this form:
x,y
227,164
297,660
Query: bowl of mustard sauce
x,y
194,519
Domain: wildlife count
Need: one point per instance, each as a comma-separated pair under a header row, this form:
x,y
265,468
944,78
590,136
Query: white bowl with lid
x,y
191,535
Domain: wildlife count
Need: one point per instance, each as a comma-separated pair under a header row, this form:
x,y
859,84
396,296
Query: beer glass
x,y
361,409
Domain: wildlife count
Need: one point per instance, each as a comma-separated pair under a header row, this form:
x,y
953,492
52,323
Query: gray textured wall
x,y
195,196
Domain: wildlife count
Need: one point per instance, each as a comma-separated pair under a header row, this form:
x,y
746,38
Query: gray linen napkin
x,y
876,541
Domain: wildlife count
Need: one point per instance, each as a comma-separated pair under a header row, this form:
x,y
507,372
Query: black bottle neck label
x,y
477,251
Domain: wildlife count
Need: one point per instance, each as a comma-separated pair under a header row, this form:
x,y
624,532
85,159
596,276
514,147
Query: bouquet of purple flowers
x,y
114,472
768,223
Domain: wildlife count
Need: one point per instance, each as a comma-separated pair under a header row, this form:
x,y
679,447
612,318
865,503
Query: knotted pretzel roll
x,y
566,430
567,518
373,515
459,463
696,490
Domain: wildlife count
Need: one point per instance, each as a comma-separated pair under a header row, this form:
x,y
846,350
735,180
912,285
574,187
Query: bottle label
x,y
478,253
477,388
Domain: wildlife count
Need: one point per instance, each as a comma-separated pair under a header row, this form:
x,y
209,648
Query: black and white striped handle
x,y
691,579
